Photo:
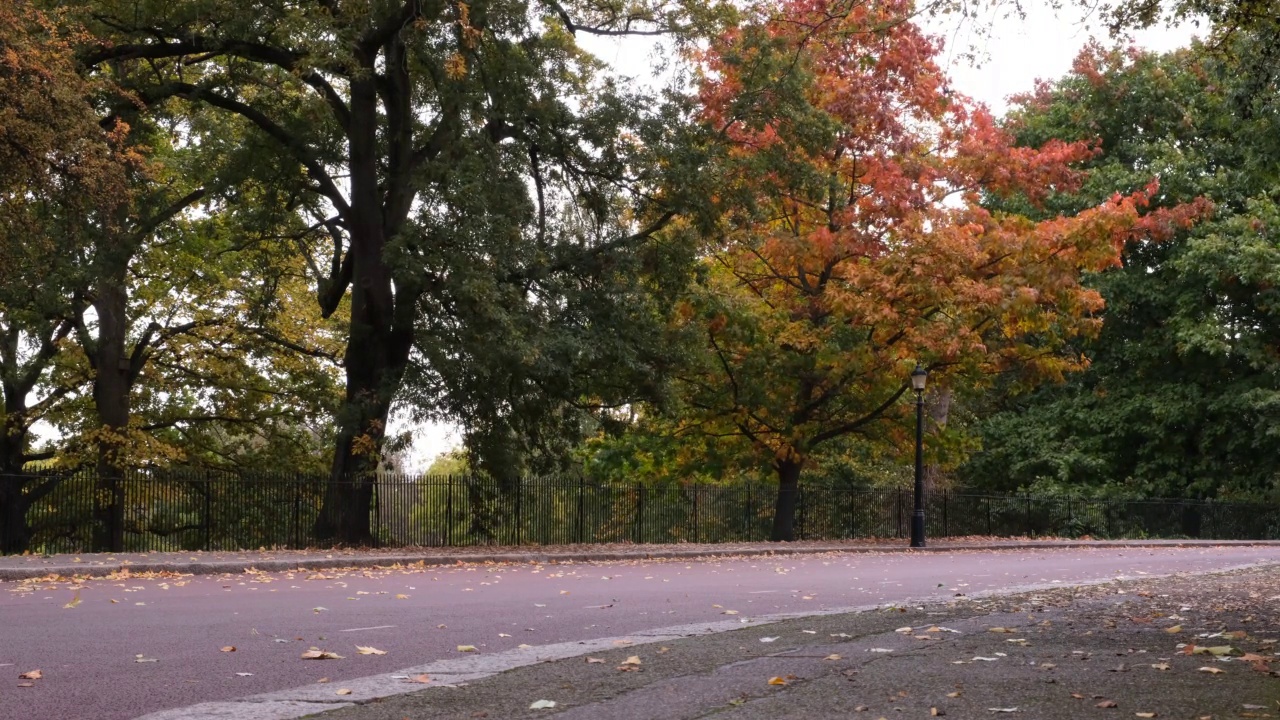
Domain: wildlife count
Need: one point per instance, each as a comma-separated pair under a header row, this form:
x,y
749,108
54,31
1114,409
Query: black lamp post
x,y
918,377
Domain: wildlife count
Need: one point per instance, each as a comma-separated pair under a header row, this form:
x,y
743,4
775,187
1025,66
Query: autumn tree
x,y
65,175
855,243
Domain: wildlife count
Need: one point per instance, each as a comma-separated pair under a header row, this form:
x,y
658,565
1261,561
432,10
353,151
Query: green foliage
x,y
1181,396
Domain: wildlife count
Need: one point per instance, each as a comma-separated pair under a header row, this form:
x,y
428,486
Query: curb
x,y
372,561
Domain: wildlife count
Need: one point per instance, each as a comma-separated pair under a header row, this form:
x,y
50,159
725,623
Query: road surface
x,y
118,648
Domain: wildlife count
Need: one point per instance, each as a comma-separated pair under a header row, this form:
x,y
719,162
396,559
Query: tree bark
x,y
112,383
938,408
15,534
784,509
377,347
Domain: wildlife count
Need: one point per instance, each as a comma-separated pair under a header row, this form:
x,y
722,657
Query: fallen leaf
x,y
1107,704
402,596
955,694
542,704
342,691
1161,666
935,712
322,680
591,660
244,674
229,648
832,656
768,639
318,654
1212,670
633,660
1174,629
1145,714
31,675
985,659
422,679
366,650
75,600
466,648
729,612
663,650
999,630
777,681
1077,696
1004,710
905,630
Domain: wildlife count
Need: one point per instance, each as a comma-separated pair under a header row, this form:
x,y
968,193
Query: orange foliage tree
x,y
854,242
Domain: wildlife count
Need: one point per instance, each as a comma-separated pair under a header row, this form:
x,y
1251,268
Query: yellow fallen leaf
x,y
999,630
663,650
366,650
75,600
402,596
343,691
955,694
423,678
777,681
593,660
1107,704
1212,670
318,654
1145,714
323,680
466,648
729,612
229,648
832,656
31,675
1174,629
1161,666
632,660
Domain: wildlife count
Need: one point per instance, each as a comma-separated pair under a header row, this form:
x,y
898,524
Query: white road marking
x,y
375,627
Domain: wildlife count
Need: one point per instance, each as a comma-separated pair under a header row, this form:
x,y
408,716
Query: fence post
x,y
519,511
852,512
208,512
377,508
946,523
897,511
695,513
1027,521
297,512
582,516
448,510
639,512
988,516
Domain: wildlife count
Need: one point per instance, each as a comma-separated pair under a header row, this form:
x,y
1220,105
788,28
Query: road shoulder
x,y
1109,650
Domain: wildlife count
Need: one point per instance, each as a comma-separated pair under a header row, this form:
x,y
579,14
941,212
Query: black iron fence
x,y
201,511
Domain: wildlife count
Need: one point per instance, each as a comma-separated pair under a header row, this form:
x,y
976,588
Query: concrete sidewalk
x,y
1107,650
21,567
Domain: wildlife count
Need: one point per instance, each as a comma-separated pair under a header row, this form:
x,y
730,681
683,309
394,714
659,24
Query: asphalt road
x,y
88,653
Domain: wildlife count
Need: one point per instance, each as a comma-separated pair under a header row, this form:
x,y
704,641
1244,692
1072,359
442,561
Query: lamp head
x,y
918,377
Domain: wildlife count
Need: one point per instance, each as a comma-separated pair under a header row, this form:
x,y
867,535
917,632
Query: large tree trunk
x,y
938,408
15,534
377,347
784,510
111,389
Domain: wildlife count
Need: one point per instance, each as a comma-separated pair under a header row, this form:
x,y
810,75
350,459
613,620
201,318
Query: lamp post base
x,y
917,531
